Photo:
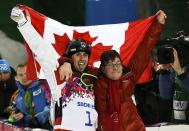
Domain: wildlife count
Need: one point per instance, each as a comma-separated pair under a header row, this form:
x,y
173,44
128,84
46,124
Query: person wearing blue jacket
x,y
31,102
174,86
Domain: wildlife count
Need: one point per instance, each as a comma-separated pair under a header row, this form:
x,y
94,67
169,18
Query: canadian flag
x,y
123,37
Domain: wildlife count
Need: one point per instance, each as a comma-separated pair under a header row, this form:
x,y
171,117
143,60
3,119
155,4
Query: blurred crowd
x,y
23,102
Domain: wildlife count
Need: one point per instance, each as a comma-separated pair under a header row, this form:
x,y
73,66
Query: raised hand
x,y
161,16
18,16
176,64
65,71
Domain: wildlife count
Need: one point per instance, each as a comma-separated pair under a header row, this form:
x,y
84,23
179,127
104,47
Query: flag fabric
x,y
123,37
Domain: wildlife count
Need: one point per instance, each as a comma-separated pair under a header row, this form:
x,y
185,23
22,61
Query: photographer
x,y
174,78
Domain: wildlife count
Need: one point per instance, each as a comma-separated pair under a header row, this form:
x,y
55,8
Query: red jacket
x,y
118,113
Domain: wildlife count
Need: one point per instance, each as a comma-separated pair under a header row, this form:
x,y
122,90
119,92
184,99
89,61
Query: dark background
x,y
72,12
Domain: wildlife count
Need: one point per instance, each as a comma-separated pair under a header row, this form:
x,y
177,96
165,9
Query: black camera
x,y
165,55
165,51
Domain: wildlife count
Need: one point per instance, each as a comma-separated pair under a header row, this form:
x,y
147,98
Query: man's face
x,y
80,61
114,69
4,76
21,75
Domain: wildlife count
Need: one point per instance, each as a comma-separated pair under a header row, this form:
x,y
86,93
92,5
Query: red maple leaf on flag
x,y
60,43
96,51
84,36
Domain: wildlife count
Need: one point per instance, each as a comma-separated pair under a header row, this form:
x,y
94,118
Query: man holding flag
x,y
42,34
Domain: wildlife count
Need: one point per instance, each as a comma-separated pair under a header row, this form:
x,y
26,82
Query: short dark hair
x,y
107,56
21,65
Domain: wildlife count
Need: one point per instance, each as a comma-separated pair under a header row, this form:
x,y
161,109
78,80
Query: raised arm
x,y
142,56
44,52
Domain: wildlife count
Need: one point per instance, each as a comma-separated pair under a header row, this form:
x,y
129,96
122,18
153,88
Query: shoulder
x,y
101,87
92,70
19,86
44,84
127,75
125,70
101,83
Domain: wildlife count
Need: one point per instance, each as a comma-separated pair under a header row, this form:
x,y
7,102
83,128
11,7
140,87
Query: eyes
x,y
111,65
83,54
21,75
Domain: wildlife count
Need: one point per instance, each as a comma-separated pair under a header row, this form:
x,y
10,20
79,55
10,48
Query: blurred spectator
x,y
21,75
151,107
174,86
165,99
7,86
30,103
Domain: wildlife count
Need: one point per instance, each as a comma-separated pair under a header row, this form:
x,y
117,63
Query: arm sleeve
x,y
43,51
43,116
142,56
44,54
100,103
185,80
63,59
